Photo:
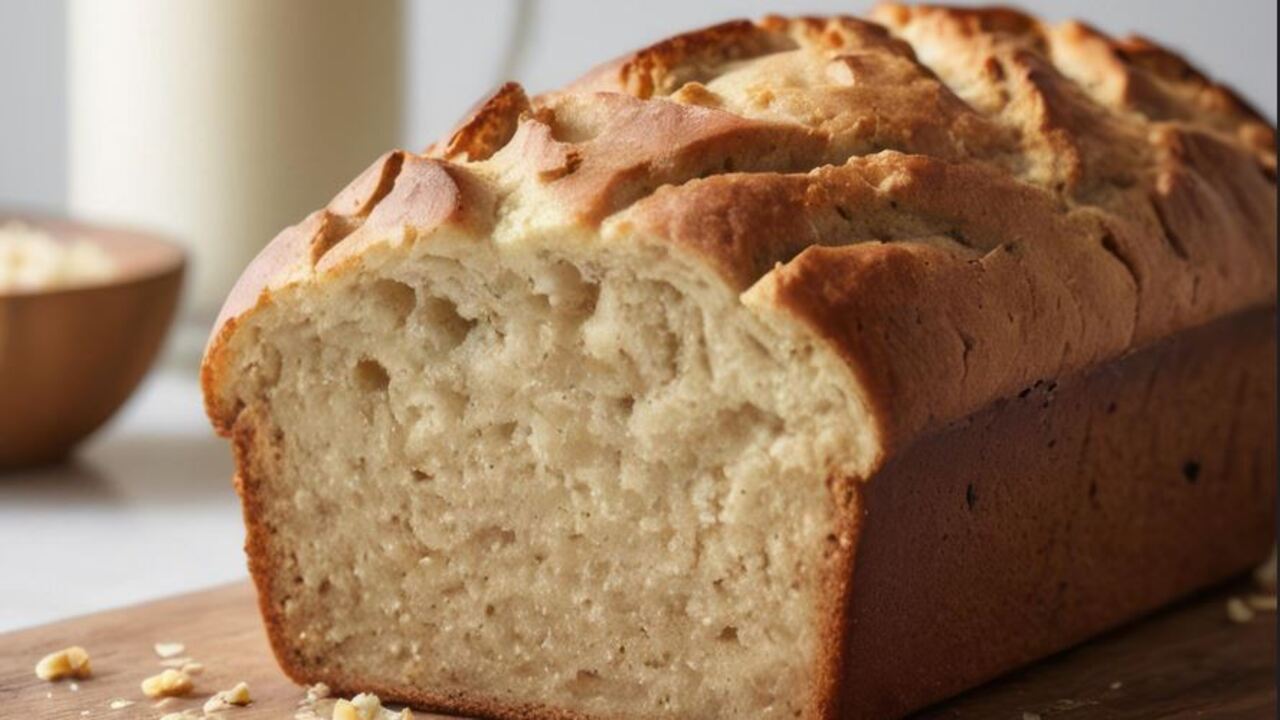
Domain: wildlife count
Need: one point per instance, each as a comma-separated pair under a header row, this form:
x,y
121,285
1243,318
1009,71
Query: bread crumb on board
x,y
187,665
170,683
226,699
307,705
367,706
73,662
169,649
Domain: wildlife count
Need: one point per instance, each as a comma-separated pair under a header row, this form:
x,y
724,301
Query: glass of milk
x,y
220,122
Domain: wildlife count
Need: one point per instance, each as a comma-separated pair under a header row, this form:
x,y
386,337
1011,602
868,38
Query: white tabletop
x,y
146,509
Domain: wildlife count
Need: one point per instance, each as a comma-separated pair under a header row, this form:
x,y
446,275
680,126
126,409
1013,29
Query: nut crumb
x,y
170,683
74,687
119,704
1238,611
1116,685
184,715
367,706
169,649
307,705
72,662
224,700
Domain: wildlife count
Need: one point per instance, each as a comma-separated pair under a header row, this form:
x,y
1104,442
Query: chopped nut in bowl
x,y
32,260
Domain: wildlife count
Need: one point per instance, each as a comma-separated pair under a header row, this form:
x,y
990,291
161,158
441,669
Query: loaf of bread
x,y
800,368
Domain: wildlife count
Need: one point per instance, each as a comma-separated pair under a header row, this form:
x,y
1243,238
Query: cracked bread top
x,y
962,202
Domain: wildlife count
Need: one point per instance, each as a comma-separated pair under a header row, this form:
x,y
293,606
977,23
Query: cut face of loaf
x,y
602,484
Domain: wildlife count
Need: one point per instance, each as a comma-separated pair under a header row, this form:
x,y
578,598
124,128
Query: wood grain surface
x,y
1186,661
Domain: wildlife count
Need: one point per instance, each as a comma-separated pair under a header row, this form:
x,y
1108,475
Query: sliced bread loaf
x,y
803,368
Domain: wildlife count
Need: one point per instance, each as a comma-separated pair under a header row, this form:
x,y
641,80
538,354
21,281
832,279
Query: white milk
x,y
220,122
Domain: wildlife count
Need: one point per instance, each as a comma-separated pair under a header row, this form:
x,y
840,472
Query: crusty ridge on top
x,y
961,201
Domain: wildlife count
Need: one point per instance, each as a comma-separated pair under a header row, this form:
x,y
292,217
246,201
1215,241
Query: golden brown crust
x,y
583,158
962,202
664,66
488,127
1166,162
1071,506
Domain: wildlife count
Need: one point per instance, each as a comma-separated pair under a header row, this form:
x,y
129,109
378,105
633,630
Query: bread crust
x,y
1061,511
961,203
1109,259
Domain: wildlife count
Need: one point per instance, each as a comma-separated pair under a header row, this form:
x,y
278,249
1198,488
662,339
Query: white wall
x,y
33,104
460,49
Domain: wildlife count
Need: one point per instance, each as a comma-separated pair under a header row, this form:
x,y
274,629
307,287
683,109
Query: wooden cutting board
x,y
1186,661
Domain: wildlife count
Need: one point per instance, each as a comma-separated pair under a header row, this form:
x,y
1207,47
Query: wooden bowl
x,y
70,356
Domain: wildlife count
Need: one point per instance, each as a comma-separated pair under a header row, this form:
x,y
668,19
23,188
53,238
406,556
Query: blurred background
x,y
218,122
